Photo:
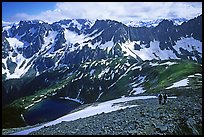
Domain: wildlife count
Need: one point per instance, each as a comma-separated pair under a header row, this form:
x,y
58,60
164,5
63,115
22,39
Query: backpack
x,y
160,96
165,96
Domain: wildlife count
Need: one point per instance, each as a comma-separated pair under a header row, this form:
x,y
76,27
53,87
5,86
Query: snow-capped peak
x,y
154,23
5,23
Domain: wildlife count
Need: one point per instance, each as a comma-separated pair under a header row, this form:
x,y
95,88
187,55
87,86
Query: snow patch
x,y
180,83
112,75
140,79
128,48
165,63
154,52
103,72
124,74
197,74
72,37
92,71
18,72
153,64
138,90
15,43
99,96
73,99
48,40
76,24
108,45
137,67
188,44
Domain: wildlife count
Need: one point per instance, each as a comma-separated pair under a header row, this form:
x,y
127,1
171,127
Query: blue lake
x,y
49,109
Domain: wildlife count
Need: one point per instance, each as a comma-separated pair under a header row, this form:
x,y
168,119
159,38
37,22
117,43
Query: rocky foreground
x,y
180,116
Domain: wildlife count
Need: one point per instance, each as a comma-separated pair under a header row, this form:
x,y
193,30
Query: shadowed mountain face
x,y
89,61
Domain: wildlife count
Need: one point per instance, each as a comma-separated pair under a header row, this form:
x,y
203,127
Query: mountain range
x,y
89,61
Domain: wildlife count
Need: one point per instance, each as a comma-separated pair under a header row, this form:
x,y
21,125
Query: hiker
x,y
160,96
165,98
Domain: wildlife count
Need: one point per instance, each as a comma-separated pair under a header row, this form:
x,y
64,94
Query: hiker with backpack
x,y
160,96
165,98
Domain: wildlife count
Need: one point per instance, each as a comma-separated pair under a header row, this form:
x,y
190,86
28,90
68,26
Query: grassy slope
x,y
172,74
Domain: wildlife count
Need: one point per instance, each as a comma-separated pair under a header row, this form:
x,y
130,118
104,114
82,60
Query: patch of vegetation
x,y
11,117
164,77
4,77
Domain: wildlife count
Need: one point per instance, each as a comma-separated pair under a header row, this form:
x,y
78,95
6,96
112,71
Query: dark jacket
x,y
160,96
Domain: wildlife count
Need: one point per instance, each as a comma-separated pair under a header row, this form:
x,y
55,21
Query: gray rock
x,y
163,128
191,124
132,132
160,127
